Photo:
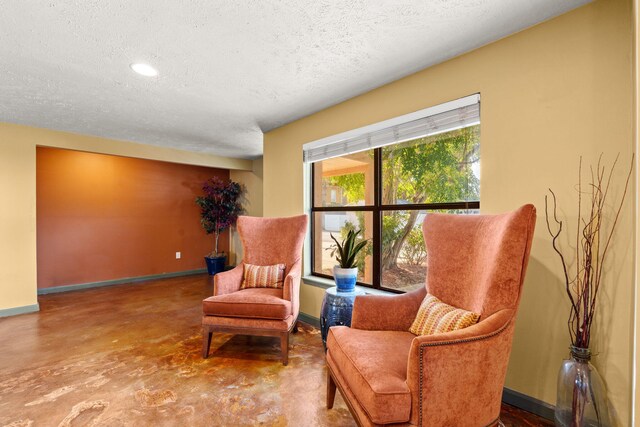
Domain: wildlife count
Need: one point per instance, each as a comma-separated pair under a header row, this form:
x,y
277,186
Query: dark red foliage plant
x,y
220,207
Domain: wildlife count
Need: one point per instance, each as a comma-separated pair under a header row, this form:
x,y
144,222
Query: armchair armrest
x,y
386,313
291,288
228,281
462,372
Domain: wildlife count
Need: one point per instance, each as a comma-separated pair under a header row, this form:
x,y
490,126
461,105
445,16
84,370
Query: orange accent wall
x,y
103,217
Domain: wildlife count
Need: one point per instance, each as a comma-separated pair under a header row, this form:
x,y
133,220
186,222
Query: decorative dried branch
x,y
583,287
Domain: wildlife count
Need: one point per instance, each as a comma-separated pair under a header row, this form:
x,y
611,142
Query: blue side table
x,y
336,310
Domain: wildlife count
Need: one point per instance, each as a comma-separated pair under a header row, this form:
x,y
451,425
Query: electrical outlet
x,y
178,255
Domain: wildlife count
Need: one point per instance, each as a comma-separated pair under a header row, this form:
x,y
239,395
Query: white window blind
x,y
441,118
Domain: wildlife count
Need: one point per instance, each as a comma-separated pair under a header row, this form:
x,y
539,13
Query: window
x,y
387,190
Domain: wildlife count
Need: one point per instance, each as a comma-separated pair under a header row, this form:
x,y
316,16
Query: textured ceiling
x,y
229,70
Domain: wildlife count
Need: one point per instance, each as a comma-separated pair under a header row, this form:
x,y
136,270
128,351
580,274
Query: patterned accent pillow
x,y
435,317
263,276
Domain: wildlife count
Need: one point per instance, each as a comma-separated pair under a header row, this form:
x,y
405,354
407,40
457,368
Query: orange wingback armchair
x,y
259,311
387,375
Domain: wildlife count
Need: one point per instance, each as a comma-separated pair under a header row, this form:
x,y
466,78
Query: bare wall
x,y
252,181
551,93
103,217
17,224
18,283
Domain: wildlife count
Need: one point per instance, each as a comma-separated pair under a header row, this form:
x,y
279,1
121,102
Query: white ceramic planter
x,y
345,278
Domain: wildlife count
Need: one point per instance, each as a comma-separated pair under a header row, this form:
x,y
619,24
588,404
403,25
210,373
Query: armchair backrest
x,y
478,262
268,241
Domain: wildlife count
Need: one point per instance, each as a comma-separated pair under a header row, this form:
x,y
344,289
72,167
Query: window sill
x,y
321,282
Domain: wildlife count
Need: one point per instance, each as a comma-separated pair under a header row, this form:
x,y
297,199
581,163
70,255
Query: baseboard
x,y
310,320
14,311
80,286
528,403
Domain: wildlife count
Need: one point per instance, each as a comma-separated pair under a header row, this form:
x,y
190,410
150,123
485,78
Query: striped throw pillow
x,y
435,317
263,276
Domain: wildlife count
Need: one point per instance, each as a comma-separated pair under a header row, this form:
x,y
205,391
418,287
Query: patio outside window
x,y
387,190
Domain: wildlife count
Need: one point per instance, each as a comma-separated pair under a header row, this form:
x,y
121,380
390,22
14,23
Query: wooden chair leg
x,y
331,390
284,347
295,328
206,341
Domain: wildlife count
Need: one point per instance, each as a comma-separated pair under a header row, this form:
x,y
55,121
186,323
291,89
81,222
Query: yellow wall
x,y
636,129
18,196
548,95
17,223
72,141
252,181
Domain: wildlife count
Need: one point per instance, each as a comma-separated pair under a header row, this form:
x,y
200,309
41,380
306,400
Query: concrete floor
x,y
129,355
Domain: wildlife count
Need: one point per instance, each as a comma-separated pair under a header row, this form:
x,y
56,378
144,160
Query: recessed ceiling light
x,y
144,69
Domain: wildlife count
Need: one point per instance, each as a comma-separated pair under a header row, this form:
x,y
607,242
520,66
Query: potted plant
x,y
346,272
219,209
581,397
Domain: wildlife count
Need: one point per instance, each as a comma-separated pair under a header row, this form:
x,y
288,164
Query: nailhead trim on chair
x,y
462,341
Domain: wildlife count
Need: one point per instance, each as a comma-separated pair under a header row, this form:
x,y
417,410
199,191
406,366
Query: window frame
x,y
377,210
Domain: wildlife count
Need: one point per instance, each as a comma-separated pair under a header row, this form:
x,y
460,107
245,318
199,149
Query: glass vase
x,y
581,397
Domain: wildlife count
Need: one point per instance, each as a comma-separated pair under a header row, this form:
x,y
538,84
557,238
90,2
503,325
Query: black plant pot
x,y
216,264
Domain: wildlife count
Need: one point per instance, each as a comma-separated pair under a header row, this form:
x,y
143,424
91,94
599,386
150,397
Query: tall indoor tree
x,y
220,207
